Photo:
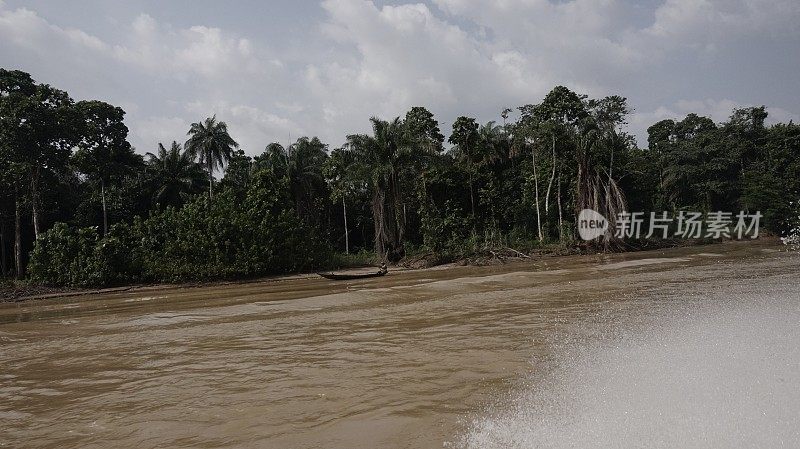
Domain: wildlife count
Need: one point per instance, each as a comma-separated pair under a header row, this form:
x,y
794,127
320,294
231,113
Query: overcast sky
x,y
279,69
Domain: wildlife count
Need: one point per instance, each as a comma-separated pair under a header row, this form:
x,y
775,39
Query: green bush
x,y
447,229
68,256
223,239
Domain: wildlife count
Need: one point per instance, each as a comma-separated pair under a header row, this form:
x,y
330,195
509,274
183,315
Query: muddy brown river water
x,y
474,357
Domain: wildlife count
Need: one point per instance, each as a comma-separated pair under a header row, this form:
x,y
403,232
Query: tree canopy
x,y
79,206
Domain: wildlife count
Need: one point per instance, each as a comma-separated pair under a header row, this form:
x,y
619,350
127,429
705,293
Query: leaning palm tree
x,y
210,141
173,174
597,190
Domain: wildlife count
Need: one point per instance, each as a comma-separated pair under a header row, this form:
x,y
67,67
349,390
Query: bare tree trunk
x,y
35,202
36,228
471,195
346,237
610,170
552,177
560,217
17,236
105,211
536,190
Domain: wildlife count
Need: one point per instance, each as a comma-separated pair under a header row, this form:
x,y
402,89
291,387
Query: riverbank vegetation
x,y
80,207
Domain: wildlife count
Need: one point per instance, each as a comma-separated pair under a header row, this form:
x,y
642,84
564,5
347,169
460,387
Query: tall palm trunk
x,y
17,235
399,208
397,230
346,237
378,219
536,191
389,229
610,171
210,180
611,162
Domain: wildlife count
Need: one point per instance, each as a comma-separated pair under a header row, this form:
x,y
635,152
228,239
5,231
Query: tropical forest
x,y
80,207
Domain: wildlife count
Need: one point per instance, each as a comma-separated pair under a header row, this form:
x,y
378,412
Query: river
x,y
686,347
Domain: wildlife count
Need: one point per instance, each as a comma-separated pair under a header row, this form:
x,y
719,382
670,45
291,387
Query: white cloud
x,y
157,129
406,56
24,28
164,61
202,50
709,22
252,127
199,50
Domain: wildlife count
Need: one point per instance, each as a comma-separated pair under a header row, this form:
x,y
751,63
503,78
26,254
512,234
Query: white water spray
x,y
721,369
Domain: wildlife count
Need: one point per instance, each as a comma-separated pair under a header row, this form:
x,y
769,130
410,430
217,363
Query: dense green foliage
x,y
79,206
235,236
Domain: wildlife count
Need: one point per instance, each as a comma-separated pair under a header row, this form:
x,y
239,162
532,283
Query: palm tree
x,y
306,160
466,150
301,164
174,173
493,150
492,144
276,157
379,160
211,142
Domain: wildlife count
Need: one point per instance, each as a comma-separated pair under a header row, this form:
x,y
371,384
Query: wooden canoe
x,y
348,277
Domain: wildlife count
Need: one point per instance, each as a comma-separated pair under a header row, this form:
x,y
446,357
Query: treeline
x,y
78,206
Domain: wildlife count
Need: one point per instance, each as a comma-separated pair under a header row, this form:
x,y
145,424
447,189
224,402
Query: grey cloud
x,y
324,69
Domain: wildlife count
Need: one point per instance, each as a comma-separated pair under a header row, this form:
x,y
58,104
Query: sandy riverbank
x,y
21,291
